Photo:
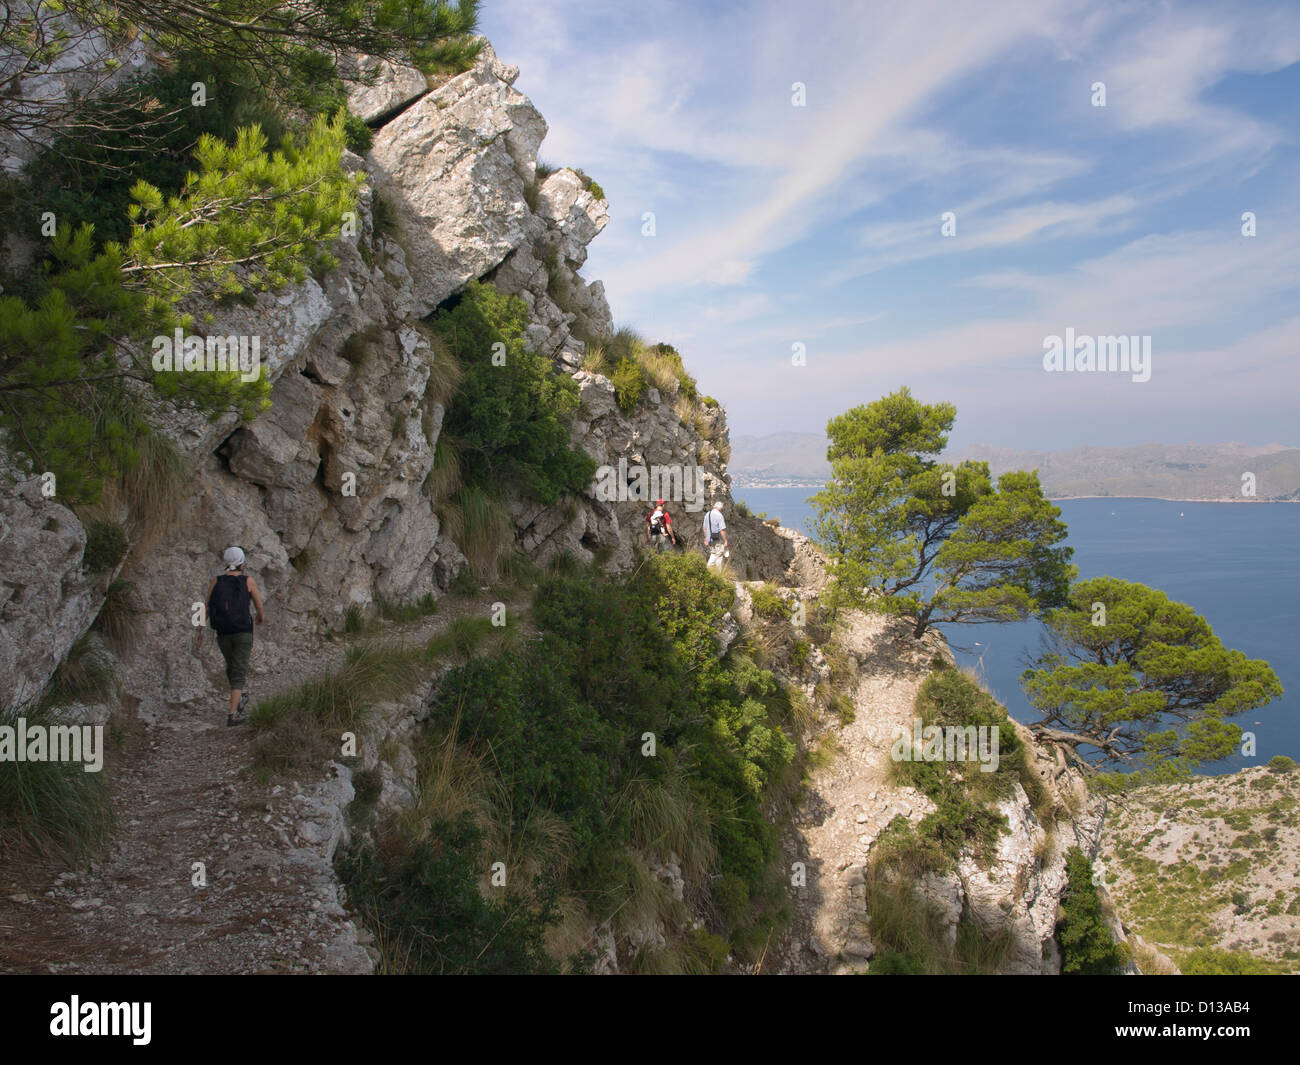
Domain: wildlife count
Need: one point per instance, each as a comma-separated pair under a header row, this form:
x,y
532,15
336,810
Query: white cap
x,y
717,505
233,557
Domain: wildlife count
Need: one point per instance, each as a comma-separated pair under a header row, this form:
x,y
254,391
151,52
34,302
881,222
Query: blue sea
x,y
1237,564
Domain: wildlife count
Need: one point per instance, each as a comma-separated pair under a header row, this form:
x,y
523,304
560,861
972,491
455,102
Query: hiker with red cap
x,y
659,527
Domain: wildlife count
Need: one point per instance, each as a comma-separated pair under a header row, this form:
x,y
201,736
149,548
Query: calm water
x,y
1237,564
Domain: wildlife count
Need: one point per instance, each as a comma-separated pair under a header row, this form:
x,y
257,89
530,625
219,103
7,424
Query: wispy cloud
x,y
822,223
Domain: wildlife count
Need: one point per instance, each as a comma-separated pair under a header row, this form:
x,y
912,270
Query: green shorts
x,y
236,649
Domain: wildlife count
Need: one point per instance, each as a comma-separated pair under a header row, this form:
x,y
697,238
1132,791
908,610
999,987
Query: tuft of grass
x,y
84,676
382,215
359,348
625,343
444,481
462,638
593,359
769,603
666,818
119,619
911,936
445,370
406,612
154,486
304,726
355,622
52,810
487,531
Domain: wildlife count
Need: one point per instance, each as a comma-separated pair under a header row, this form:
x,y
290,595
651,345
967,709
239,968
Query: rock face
x,y
46,597
453,168
387,88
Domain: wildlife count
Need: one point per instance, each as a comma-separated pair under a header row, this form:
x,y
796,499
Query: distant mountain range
x,y
779,459
1163,471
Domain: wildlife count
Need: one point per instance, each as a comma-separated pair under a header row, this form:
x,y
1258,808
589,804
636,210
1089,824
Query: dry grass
x,y
445,371
594,360
444,479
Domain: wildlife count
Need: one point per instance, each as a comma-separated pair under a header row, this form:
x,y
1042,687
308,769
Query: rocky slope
x,y
451,195
850,801
1211,863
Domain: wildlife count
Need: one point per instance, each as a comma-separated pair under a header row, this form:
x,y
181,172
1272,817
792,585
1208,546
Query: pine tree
x,y
1137,679
72,385
913,536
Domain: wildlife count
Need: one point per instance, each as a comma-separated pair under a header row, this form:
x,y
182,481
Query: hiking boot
x,y
236,719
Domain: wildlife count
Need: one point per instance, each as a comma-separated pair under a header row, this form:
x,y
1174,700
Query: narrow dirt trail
x,y
850,801
182,793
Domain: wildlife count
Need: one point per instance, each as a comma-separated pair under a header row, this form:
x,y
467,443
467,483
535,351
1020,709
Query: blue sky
x,y
821,224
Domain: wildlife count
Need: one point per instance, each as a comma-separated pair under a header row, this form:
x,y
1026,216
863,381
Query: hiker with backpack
x,y
659,527
232,596
715,537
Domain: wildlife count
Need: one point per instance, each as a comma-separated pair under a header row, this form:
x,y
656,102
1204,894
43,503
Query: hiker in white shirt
x,y
715,537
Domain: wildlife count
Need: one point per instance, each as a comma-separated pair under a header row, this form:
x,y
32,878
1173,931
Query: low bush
x,y
629,383
561,723
106,543
511,424
769,603
962,791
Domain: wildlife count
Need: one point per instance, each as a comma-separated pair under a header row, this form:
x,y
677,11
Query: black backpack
x,y
229,606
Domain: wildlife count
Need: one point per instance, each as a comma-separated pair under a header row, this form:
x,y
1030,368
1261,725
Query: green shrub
x,y
629,384
360,137
562,718
964,819
769,603
422,897
510,423
1087,946
106,543
589,184
1281,763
